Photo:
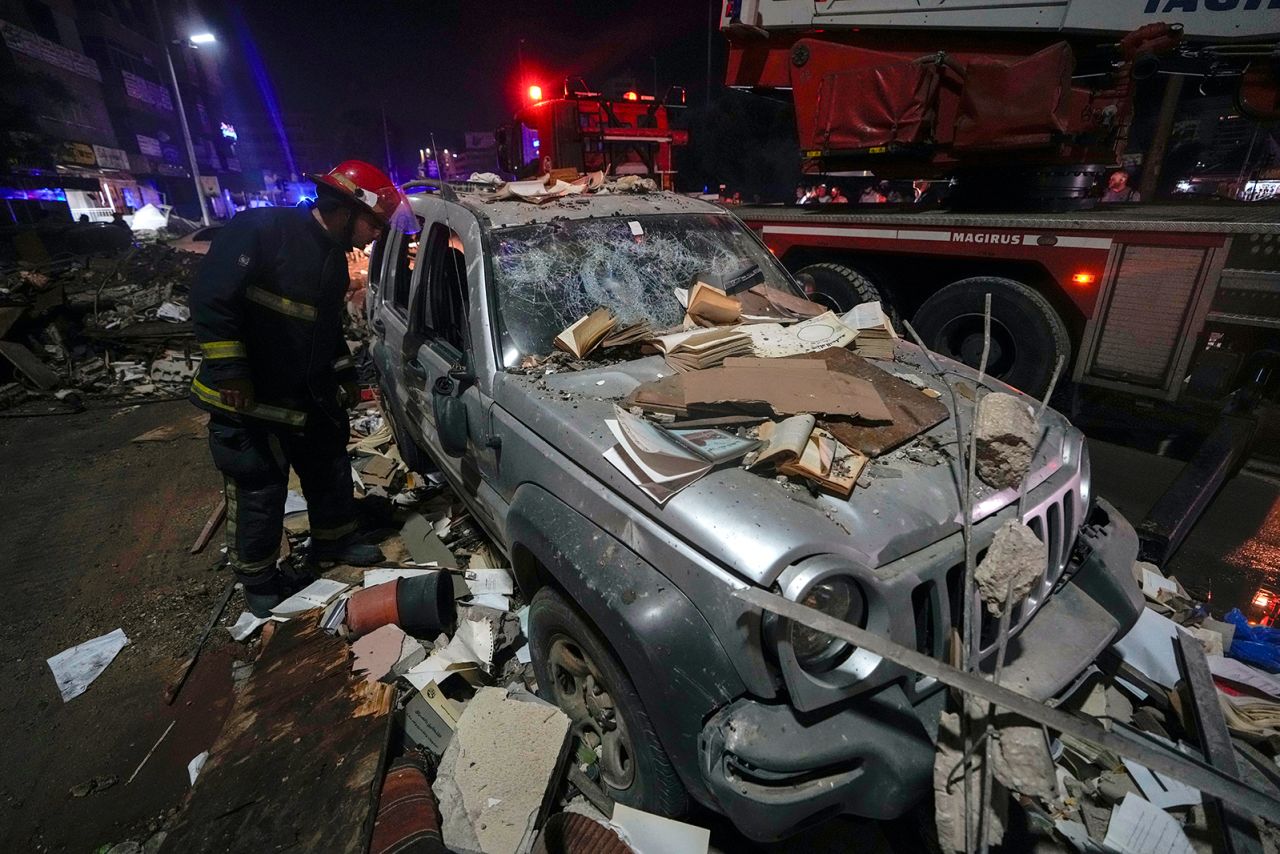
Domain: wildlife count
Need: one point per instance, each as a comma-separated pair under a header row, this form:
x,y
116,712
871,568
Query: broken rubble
x,y
499,770
1017,557
1006,439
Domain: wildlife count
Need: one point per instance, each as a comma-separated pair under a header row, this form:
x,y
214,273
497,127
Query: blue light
x,y
537,143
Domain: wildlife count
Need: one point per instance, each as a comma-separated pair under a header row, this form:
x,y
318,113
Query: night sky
x,y
450,67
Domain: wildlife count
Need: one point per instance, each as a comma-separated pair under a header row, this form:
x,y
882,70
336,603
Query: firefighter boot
x,y
265,590
348,551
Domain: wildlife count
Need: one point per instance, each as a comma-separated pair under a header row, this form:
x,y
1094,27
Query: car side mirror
x,y
450,416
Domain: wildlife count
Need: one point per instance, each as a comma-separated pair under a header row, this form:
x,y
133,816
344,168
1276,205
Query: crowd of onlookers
x,y
877,192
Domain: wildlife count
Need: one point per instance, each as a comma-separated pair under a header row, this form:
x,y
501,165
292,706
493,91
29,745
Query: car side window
x,y
405,258
441,309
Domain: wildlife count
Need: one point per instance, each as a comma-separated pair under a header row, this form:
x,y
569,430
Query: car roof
x,y
513,212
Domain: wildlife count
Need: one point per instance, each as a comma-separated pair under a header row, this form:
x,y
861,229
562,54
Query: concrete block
x,y
1006,438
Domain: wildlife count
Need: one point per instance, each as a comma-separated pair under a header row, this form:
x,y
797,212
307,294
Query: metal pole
x,y
182,115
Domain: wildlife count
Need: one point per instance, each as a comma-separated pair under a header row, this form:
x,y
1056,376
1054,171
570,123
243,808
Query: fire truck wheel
x,y
840,288
1027,335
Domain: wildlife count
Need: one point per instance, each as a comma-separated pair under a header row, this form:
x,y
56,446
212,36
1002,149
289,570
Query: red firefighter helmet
x,y
371,188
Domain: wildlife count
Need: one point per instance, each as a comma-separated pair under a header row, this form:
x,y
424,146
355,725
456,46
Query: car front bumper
x,y
774,770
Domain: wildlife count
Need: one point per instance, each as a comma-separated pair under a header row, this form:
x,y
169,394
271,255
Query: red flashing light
x,y
631,96
1262,600
535,93
1084,278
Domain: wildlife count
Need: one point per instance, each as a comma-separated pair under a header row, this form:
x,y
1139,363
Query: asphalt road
x,y
1234,547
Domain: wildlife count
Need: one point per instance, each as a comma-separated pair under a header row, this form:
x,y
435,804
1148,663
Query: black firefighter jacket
x,y
267,305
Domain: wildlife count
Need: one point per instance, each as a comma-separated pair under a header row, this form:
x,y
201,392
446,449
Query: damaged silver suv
x,y
683,690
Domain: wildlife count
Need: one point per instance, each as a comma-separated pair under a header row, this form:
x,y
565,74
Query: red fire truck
x,y
1160,301
589,132
1032,99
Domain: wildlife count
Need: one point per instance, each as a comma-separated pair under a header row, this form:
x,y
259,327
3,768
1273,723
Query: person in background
x,y
1118,189
838,197
824,196
871,196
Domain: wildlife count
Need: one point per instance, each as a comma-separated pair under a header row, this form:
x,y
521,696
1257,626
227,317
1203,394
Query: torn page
x,y
244,627
75,669
1137,827
773,340
1163,792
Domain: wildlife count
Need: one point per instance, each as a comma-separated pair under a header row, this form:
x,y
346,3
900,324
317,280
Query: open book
x,y
796,447
632,333
585,334
650,459
702,348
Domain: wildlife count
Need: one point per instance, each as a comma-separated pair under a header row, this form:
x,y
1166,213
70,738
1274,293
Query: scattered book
x,y
651,459
585,334
828,463
702,348
876,338
710,306
783,441
632,333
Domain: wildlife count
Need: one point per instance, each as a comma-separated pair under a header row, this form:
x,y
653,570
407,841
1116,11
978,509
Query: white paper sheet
x,y
497,601
1163,792
1137,827
196,765
481,581
1149,648
1154,582
471,646
294,503
647,833
75,669
317,594
1243,674
244,627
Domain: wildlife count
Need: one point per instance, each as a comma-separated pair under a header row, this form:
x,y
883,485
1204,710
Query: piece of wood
x,y
29,365
912,412
299,762
215,520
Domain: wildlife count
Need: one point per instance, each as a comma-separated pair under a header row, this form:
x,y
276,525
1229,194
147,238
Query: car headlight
x,y
837,596
1086,478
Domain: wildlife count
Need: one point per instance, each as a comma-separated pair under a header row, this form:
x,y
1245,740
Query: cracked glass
x,y
550,274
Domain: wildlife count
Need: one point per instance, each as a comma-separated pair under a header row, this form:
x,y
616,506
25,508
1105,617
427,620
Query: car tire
x,y
840,288
569,658
1028,336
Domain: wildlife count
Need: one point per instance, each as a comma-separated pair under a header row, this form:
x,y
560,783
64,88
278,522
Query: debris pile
x,y
117,325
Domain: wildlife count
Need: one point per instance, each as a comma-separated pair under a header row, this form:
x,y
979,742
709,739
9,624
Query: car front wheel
x,y
578,672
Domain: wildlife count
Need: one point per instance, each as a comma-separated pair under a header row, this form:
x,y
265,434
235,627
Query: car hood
x,y
756,525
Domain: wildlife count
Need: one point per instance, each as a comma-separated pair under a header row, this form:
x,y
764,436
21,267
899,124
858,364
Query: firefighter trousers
x,y
255,459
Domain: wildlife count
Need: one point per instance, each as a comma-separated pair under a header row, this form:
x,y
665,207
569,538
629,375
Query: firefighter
x,y
276,375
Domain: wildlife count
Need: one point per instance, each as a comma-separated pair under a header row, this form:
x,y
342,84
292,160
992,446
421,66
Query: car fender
x,y
670,652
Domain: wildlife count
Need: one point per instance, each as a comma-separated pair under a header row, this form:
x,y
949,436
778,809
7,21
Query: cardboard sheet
x,y
786,389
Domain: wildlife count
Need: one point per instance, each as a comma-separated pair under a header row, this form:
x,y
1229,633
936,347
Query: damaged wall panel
x,y
299,761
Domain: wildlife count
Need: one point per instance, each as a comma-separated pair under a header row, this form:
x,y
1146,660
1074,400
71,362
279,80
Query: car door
x,y
454,357
390,319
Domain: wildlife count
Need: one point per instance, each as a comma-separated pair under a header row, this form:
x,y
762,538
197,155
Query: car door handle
x,y
378,325
416,368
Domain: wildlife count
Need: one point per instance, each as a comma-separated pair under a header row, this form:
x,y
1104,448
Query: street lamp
x,y
198,39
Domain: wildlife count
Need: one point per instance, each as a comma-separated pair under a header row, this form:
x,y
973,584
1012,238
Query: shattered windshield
x,y
550,274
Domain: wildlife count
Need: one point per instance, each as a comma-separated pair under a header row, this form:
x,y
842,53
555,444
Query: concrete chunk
x,y
496,773
1016,554
1006,438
